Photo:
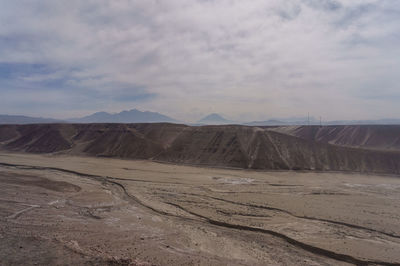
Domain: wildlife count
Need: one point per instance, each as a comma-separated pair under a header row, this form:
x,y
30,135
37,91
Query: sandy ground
x,y
64,210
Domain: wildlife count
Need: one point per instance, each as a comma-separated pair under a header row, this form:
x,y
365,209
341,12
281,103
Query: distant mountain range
x,y
131,116
136,116
20,119
364,122
284,121
274,122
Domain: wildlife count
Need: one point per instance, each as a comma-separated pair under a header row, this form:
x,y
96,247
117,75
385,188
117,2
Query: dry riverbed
x,y
64,210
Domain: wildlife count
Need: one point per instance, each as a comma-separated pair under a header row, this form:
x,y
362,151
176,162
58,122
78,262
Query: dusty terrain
x,y
62,209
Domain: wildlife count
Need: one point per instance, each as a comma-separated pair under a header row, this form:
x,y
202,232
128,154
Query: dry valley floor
x,y
64,210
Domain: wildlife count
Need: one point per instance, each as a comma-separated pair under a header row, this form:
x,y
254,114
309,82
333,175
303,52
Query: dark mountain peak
x,y
126,116
214,118
99,114
131,111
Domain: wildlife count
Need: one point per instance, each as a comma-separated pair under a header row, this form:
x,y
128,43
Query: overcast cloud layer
x,y
249,60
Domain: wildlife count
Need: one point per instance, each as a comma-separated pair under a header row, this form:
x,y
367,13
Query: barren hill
x,y
335,148
384,137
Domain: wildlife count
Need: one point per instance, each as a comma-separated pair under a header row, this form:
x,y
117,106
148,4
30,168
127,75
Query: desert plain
x,y
65,210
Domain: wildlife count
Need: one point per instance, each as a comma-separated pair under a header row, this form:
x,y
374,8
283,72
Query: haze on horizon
x,y
247,60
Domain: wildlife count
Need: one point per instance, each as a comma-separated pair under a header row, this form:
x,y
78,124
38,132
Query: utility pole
x,y
320,121
308,118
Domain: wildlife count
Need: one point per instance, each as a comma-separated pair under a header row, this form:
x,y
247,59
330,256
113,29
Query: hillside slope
x,y
384,137
222,146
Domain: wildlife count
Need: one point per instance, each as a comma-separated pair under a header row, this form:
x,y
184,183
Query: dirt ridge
x,y
237,146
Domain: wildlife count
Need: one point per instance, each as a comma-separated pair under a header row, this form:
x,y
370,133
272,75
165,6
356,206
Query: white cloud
x,y
246,59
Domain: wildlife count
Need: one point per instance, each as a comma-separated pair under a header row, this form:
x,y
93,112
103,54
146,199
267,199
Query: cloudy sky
x,y
248,60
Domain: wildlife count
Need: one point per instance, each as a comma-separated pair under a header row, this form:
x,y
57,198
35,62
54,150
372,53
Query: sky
x,y
247,60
